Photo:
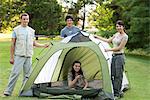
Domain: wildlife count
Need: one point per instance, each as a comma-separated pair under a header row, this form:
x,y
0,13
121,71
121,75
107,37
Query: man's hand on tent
x,y
46,45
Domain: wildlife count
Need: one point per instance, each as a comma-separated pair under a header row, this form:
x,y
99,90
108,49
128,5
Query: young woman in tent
x,y
119,41
76,77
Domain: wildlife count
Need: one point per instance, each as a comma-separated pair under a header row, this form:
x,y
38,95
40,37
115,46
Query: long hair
x,y
73,71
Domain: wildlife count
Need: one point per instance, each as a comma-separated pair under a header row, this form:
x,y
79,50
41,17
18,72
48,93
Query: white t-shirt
x,y
117,40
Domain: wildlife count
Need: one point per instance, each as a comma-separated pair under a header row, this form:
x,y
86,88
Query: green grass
x,y
138,70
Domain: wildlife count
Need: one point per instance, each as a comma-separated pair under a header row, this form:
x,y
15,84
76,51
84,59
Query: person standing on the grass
x,y
119,41
21,52
69,29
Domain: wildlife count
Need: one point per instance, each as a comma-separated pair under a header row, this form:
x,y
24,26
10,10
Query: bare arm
x,y
104,39
86,84
45,45
71,83
122,45
12,50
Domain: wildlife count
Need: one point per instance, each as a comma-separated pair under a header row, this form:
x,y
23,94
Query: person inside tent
x,y
69,29
76,77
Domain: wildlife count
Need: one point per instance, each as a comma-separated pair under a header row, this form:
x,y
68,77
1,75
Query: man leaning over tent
x,y
69,29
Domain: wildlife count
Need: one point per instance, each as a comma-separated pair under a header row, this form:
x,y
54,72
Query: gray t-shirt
x,y
117,40
67,31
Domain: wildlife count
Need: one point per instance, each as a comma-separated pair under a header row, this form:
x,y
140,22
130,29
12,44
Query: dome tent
x,y
54,65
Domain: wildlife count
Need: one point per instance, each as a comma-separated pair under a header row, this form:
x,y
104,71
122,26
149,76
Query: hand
x,y
95,36
78,77
106,50
85,88
11,61
46,45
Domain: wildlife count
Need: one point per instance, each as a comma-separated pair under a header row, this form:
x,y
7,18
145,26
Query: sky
x,y
88,9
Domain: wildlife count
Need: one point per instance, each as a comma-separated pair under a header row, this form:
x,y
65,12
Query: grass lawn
x,y
138,70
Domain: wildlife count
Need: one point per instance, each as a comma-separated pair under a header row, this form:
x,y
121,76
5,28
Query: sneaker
x,y
121,94
5,95
116,98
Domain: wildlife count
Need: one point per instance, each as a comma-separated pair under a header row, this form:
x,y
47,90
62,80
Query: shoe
x,y
5,95
121,94
116,98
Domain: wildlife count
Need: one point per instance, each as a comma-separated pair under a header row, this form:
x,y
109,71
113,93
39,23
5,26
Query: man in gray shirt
x,y
69,29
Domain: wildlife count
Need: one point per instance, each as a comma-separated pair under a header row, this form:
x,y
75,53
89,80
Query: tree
x,y
45,15
9,14
101,18
135,14
76,6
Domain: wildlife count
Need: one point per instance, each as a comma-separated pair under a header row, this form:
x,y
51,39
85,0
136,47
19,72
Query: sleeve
x,y
115,35
62,33
77,29
33,32
84,75
34,35
14,34
70,76
125,38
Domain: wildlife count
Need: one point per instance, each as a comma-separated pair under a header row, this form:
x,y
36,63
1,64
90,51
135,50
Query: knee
x,y
15,73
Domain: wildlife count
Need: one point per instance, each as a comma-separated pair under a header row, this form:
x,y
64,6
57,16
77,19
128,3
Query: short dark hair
x,y
68,17
120,22
23,14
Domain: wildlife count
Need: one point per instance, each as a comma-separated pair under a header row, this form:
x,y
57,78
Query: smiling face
x,y
76,67
69,22
119,28
24,20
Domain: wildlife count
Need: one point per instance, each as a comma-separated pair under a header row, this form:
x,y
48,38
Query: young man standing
x,y
21,52
69,29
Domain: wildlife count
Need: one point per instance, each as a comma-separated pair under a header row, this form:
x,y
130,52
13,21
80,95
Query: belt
x,y
116,54
23,56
